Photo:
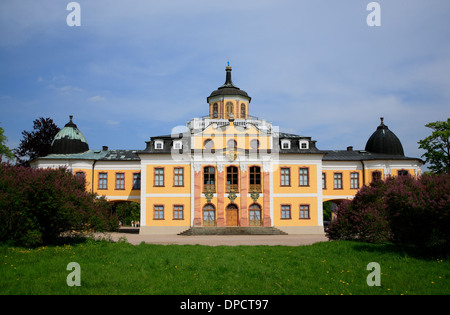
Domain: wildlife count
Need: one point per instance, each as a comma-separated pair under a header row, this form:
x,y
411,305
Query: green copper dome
x,y
69,140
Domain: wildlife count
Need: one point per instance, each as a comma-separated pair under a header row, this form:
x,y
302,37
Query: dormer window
x,y
303,144
285,144
159,144
178,145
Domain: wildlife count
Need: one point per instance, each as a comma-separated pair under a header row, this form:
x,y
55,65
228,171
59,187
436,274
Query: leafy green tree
x,y
127,212
327,211
4,150
36,143
438,147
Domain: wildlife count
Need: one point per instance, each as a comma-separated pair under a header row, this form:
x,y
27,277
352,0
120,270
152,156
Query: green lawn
x,y
120,268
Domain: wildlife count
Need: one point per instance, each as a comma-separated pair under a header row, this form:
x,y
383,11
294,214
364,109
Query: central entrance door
x,y
232,215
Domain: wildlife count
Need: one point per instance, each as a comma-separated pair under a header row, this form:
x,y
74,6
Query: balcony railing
x,y
255,187
209,188
232,187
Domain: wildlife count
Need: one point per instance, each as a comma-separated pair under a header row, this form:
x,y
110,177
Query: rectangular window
x,y
102,180
304,212
178,176
337,180
324,181
159,176
285,176
178,213
285,212
303,176
137,181
120,181
354,180
158,213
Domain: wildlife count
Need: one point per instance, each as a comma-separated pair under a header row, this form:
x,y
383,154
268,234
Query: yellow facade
x,y
233,169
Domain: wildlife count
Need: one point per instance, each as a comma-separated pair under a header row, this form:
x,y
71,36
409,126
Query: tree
x,y
4,150
127,212
438,147
36,143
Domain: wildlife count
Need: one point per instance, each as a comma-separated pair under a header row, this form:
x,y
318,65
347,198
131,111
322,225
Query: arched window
x,y
231,144
229,109
209,179
254,144
215,110
255,179
232,178
209,144
209,215
254,215
243,114
376,176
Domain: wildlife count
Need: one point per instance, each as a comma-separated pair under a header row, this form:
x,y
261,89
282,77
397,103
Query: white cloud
x,y
97,98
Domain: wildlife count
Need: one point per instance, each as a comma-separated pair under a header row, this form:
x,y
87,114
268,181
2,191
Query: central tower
x,y
228,100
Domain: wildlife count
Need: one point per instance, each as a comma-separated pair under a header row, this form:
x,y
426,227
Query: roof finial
x,y
70,116
228,63
382,118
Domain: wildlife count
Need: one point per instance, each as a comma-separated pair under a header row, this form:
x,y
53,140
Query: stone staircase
x,y
233,230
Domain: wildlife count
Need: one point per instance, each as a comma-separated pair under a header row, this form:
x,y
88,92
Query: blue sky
x,y
137,68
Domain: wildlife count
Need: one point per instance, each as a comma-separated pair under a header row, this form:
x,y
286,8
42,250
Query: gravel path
x,y
216,240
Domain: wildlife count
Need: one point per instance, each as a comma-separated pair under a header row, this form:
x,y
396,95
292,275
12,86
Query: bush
x,y
402,209
37,205
363,218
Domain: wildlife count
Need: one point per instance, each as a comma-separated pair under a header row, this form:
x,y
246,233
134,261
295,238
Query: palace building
x,y
230,169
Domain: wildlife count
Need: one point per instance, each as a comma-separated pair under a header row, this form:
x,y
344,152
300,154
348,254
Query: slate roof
x,y
121,155
99,155
362,155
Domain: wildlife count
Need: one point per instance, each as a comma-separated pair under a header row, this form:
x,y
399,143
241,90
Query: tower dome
x,y
228,101
228,88
69,140
384,141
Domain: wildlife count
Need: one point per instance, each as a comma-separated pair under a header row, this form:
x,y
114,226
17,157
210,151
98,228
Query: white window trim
x,y
303,142
157,142
178,145
283,142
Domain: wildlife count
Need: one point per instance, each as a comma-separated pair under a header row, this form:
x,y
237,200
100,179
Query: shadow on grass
x,y
65,239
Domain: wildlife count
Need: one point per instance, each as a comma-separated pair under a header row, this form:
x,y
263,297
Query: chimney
x,y
349,148
105,148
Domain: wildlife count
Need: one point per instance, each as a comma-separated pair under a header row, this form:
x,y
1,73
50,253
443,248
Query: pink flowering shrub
x,y
37,205
363,218
401,209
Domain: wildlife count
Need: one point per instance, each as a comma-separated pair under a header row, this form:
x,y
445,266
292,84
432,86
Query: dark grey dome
x,y
228,88
69,140
384,141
